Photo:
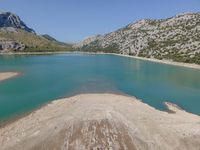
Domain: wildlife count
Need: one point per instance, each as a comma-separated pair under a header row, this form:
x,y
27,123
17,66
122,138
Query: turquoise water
x,y
49,77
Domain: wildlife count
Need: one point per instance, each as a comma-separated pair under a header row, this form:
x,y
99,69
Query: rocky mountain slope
x,y
50,38
8,19
16,36
176,38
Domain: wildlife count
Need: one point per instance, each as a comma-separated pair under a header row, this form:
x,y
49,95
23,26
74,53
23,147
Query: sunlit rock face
x,y
176,38
11,45
8,19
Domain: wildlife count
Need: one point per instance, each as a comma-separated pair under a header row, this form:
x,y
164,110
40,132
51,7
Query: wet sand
x,y
103,121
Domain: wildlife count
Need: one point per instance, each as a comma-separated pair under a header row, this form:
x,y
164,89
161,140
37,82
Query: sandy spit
x,y
8,75
102,121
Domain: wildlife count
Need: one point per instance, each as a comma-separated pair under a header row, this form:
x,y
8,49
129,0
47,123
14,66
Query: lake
x,y
48,77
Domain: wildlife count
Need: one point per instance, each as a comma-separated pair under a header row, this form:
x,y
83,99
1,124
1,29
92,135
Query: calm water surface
x,y
49,77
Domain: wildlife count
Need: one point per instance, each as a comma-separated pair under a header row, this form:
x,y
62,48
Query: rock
x,y
8,19
11,45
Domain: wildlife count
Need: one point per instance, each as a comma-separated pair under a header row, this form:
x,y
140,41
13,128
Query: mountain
x,y
176,38
50,38
8,19
16,36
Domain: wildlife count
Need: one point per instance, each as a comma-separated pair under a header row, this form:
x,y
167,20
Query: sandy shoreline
x,y
8,75
168,62
102,121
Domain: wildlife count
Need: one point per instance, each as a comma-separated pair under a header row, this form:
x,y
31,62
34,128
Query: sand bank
x,y
102,121
7,75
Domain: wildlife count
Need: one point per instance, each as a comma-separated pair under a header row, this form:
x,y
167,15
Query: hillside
x,y
176,38
16,36
50,38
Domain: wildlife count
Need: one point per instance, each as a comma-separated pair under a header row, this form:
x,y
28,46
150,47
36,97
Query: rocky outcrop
x,y
8,19
11,45
176,38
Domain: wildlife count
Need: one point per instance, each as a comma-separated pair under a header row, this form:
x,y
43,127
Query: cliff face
x,y
176,38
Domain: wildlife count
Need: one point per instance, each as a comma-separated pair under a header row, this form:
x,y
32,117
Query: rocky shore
x,y
102,121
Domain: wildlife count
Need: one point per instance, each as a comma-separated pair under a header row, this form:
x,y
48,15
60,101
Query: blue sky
x,y
73,20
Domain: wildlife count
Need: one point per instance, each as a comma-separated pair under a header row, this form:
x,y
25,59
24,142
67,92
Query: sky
x,y
74,20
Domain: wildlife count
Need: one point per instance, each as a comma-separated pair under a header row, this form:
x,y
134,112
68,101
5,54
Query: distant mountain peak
x,y
8,19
